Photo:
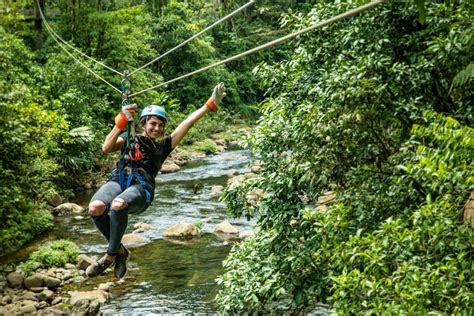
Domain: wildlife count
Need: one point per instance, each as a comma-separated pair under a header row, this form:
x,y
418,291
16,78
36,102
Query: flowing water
x,y
166,276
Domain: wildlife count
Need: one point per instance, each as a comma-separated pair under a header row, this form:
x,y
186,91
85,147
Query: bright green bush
x,y
363,108
55,254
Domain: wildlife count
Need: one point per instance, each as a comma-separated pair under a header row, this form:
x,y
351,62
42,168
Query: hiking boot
x,y
98,267
121,263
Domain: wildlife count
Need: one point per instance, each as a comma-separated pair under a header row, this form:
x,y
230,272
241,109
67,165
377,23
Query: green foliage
x,y
361,108
55,254
207,146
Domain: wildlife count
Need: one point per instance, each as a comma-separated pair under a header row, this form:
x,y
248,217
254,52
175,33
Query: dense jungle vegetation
x,y
376,108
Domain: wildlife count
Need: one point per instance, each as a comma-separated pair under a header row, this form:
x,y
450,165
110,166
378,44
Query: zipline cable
x,y
54,34
272,43
88,69
196,35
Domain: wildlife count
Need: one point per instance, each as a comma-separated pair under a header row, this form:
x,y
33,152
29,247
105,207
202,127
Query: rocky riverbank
x,y
47,291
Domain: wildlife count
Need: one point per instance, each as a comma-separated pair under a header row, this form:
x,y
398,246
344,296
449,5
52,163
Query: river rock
x,y
141,227
86,307
220,142
226,228
182,230
134,240
35,280
69,266
235,144
41,305
56,300
37,289
144,226
6,299
55,199
169,167
3,285
327,198
216,190
254,196
468,214
104,287
78,279
94,295
30,296
15,280
51,282
234,180
46,295
180,162
69,208
52,311
84,261
246,234
232,173
28,308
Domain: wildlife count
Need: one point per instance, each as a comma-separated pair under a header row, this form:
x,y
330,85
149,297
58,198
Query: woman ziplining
x,y
131,187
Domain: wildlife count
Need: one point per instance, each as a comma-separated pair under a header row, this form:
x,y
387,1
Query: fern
x,y
463,77
82,134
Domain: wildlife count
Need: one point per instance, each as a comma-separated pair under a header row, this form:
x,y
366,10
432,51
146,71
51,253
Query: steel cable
x,y
52,33
196,35
349,13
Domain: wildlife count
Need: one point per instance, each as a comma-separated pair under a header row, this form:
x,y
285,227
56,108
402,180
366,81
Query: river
x,y
165,275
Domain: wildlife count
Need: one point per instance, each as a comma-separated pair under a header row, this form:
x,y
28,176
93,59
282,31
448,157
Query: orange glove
x,y
127,115
121,121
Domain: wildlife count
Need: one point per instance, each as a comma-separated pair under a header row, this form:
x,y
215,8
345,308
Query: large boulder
x,y
35,280
55,199
141,227
51,282
69,208
134,240
169,167
226,228
84,261
15,280
182,230
46,295
94,295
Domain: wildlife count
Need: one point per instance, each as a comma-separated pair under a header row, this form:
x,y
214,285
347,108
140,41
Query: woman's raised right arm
x,y
113,141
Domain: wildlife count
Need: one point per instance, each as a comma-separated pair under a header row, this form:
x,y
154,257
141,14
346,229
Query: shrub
x,y
55,254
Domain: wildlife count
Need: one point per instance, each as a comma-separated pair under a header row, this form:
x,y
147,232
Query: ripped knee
x,y
97,208
118,204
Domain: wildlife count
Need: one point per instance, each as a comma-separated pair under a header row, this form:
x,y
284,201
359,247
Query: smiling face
x,y
153,127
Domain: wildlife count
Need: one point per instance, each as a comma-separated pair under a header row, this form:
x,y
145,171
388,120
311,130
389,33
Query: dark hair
x,y
145,119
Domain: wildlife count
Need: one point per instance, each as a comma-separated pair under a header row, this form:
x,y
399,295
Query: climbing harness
x,y
336,18
132,154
